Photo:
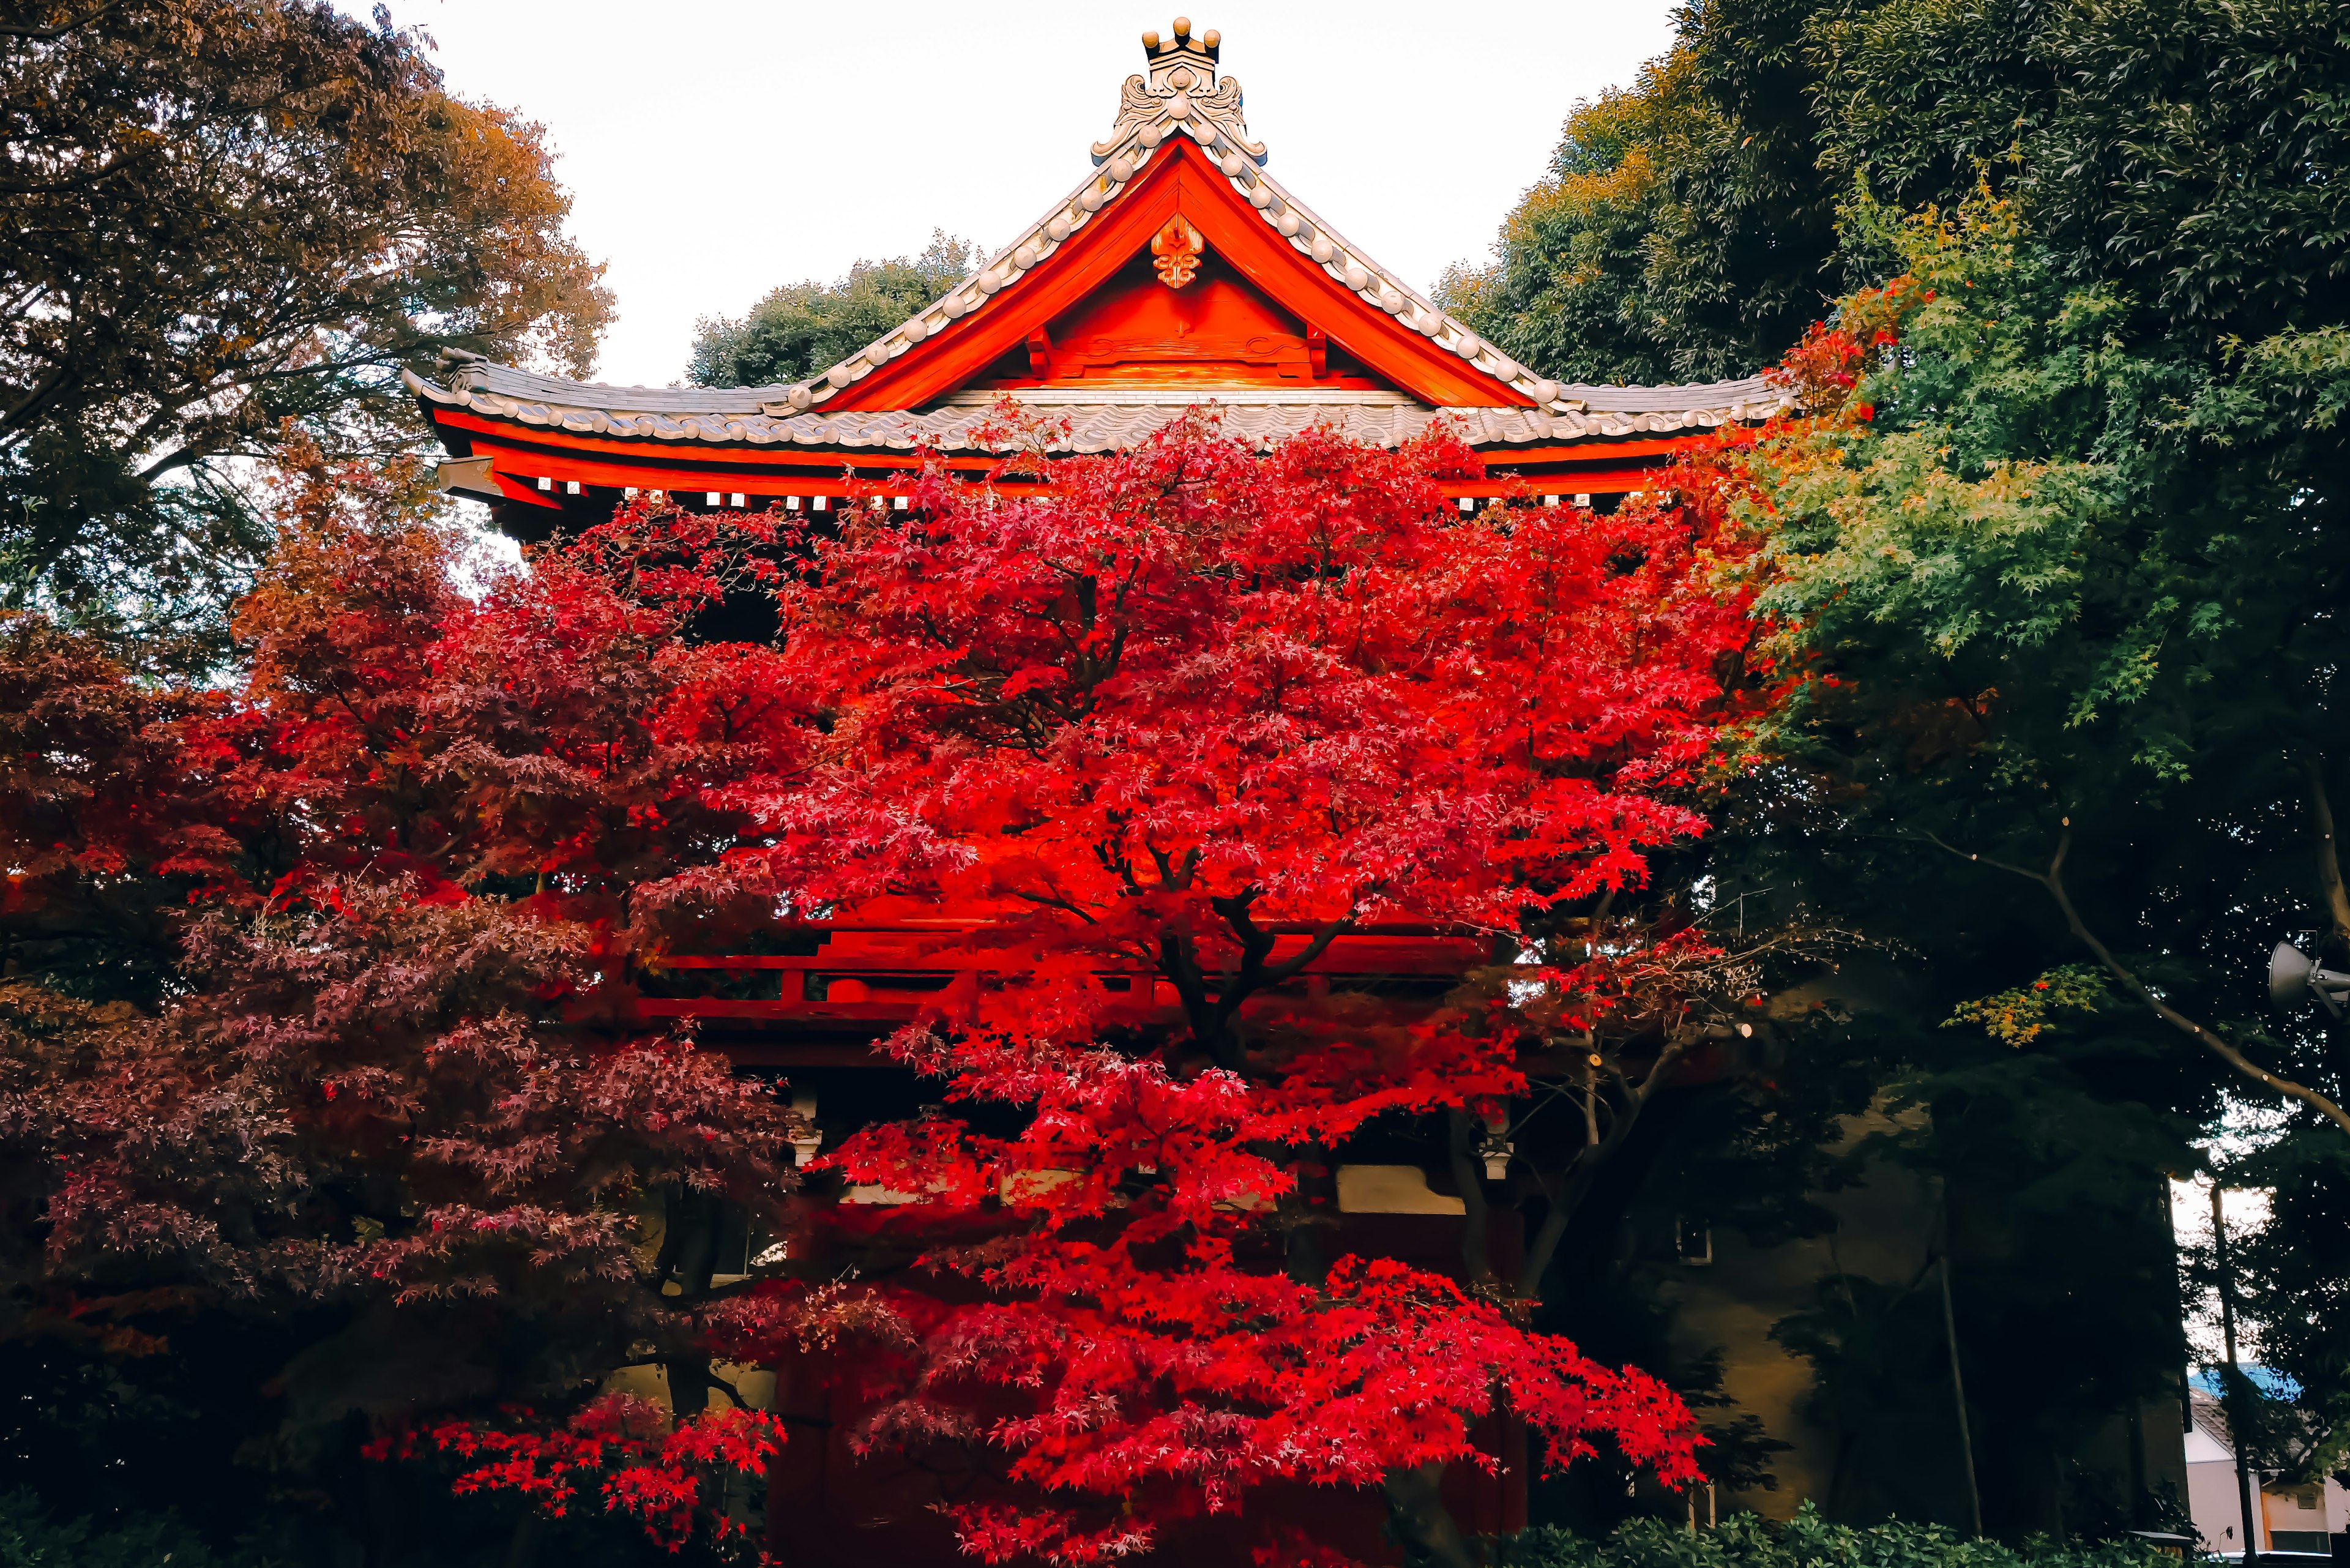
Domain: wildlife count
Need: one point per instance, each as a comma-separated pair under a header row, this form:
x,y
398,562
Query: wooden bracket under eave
x,y
467,476
477,477
1318,352
1040,354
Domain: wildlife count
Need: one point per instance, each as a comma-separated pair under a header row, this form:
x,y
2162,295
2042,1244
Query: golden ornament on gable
x,y
1175,251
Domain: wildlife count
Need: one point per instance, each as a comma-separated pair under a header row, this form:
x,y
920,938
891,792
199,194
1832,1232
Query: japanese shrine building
x,y
1179,273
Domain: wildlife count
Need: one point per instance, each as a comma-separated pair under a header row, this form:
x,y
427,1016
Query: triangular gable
x,y
1180,315
951,351
1180,150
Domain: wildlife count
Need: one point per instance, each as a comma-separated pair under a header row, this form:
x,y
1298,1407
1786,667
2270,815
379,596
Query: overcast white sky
x,y
719,148
2191,1217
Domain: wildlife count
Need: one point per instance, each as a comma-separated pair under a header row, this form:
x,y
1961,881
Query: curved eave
x,y
954,426
542,463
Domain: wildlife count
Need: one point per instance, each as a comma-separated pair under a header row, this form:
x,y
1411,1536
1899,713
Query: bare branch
x,y
1312,949
56,29
1052,903
2053,880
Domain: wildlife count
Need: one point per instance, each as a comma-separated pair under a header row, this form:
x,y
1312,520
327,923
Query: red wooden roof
x,y
1180,273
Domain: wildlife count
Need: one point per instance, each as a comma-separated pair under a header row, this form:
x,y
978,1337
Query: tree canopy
x,y
799,328
230,219
1990,687
364,1058
2187,152
292,1056
2052,535
1199,715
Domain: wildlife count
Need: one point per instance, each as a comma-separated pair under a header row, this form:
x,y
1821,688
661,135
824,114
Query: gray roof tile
x,y
721,417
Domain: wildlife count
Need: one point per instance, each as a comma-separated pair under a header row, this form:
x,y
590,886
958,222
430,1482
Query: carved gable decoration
x,y
1175,251
1216,332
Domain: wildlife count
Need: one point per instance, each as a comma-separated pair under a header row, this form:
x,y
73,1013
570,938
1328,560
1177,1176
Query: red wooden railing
x,y
867,979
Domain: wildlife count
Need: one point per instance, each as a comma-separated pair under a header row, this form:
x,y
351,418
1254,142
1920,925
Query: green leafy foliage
x,y
2190,151
1657,249
2021,1015
800,329
31,1539
2066,583
2066,593
2289,1274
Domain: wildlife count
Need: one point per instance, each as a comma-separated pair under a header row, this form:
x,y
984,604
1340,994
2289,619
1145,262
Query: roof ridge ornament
x,y
1183,96
1180,90
1182,49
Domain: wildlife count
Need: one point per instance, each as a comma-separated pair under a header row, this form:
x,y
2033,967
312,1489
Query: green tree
x,y
1806,1540
1662,246
2067,589
227,218
2288,1275
2190,151
800,329
2064,583
2085,588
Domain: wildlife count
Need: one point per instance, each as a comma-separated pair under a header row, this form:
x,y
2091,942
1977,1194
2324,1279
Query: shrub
x,y
30,1539
1806,1540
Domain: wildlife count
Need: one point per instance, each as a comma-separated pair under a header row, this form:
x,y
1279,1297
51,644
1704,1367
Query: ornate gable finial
x,y
1181,52
1182,91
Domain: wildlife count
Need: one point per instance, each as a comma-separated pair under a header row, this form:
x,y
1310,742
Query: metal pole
x,y
2239,1429
1958,1379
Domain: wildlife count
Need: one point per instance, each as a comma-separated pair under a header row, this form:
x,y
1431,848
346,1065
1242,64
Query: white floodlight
x,y
2293,975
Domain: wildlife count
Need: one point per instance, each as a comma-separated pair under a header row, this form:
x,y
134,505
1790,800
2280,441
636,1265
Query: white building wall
x,y
2211,1499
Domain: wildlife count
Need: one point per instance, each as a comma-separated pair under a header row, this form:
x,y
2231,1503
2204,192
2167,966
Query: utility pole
x,y
2239,1429
1958,1379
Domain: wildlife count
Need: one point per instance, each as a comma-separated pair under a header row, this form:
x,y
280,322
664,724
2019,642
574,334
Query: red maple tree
x,y
310,1010
1191,712
1199,713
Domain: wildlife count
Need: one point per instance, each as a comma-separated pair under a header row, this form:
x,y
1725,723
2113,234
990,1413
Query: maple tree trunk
x,y
1303,1257
1547,1236
1423,1526
1477,1220
689,1254
1417,1515
521,1546
799,1514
